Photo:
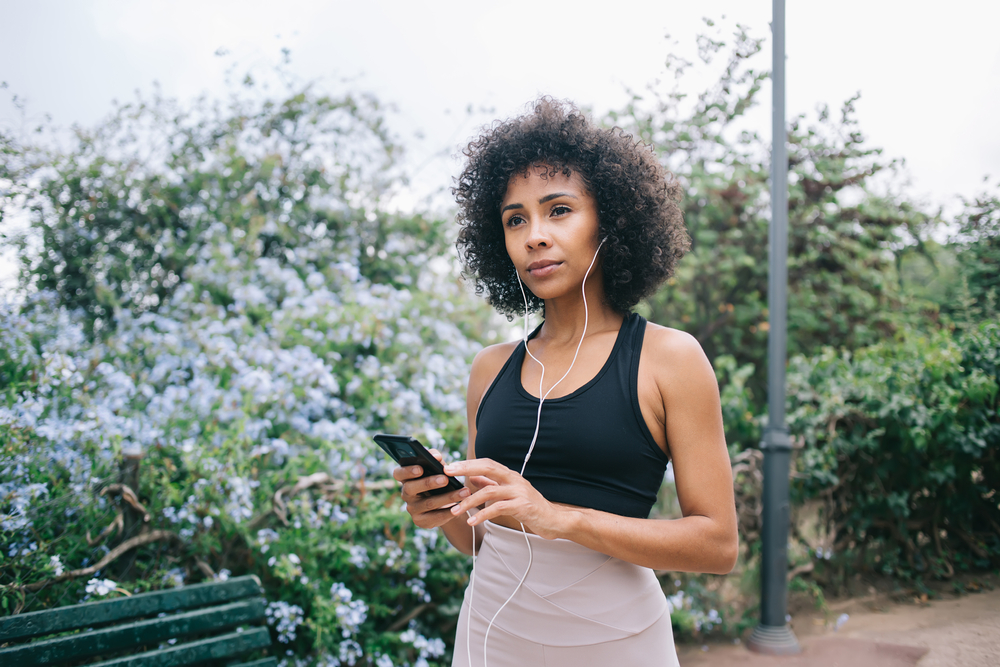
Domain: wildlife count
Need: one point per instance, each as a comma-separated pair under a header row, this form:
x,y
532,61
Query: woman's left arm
x,y
705,538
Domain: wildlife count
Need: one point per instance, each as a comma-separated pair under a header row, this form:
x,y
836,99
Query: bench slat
x,y
122,637
223,646
90,614
264,662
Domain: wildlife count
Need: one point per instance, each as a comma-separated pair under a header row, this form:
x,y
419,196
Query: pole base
x,y
773,640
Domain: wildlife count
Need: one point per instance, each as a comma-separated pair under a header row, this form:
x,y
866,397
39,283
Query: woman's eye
x,y
560,210
514,221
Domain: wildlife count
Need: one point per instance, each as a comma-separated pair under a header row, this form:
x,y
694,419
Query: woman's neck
x,y
564,319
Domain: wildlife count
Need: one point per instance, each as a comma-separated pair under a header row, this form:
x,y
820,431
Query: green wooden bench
x,y
206,620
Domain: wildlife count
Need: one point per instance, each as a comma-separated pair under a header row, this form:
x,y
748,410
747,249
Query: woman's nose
x,y
538,236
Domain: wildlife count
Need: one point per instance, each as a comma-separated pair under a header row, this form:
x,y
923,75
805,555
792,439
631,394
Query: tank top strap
x,y
636,334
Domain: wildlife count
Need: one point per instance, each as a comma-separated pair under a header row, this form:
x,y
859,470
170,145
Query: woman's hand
x,y
504,493
428,511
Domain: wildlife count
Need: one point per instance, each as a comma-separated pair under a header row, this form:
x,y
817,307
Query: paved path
x,y
964,632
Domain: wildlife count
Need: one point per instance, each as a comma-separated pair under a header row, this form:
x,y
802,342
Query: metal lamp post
x,y
772,635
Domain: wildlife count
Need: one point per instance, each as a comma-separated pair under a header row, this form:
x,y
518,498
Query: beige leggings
x,y
576,608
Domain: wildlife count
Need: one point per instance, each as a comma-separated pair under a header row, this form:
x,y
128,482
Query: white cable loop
x,y
531,448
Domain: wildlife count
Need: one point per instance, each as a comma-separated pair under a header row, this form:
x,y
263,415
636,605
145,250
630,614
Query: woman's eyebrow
x,y
556,195
546,198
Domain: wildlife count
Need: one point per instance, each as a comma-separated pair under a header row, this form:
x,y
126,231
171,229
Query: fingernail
x,y
463,493
440,479
415,470
455,509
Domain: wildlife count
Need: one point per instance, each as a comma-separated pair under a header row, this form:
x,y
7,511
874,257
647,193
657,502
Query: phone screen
x,y
408,451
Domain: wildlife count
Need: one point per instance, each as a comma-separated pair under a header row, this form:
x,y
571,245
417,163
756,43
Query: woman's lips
x,y
543,268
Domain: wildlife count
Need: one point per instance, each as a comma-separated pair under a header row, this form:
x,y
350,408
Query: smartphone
x,y
408,451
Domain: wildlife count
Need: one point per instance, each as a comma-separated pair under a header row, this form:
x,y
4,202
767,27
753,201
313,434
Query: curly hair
x,y
637,203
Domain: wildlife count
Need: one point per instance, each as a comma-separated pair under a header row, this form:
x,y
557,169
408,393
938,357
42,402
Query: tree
x,y
977,244
843,236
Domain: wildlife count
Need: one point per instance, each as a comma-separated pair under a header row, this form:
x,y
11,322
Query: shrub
x,y
900,443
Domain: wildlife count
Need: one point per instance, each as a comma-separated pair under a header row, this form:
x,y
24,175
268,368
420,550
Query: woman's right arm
x,y
431,511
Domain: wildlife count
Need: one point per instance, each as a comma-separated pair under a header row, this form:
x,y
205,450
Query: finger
x,y
436,454
429,518
433,519
424,484
502,508
431,503
447,500
479,481
402,474
484,467
490,494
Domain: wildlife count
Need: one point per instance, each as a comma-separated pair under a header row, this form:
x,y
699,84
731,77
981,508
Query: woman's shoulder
x,y
665,340
674,354
494,356
487,365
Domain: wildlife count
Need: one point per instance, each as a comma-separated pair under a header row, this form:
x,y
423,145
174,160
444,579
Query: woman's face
x,y
550,228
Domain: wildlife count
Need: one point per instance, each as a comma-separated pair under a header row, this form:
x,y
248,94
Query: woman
x,y
570,429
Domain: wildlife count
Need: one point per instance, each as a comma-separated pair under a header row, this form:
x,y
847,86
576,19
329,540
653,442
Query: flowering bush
x,y
295,326
227,413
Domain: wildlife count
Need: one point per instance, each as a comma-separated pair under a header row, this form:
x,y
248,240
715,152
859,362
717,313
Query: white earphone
x,y
531,448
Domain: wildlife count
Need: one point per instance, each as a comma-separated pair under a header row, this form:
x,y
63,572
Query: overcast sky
x,y
928,73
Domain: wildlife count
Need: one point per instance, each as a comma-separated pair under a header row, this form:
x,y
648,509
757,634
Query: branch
x,y
278,503
401,623
950,570
127,545
996,526
330,487
710,328
278,507
128,495
747,454
747,461
205,568
801,569
971,541
116,525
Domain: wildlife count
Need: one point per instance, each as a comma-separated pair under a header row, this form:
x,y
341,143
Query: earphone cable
x,y
472,593
534,438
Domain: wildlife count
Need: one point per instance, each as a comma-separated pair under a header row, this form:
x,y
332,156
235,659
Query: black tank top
x,y
594,449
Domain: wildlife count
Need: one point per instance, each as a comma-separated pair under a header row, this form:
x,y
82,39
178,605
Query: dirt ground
x,y
878,631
